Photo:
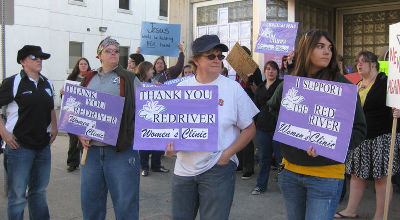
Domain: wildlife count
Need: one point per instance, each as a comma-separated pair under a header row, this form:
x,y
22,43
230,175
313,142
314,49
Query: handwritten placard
x,y
241,62
90,113
160,39
187,116
317,113
276,37
393,85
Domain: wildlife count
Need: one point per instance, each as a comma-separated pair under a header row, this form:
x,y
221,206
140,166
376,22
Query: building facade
x,y
69,29
355,25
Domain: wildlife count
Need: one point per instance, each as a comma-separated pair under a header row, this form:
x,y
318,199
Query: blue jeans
x,y
27,168
155,159
309,197
117,172
211,191
266,147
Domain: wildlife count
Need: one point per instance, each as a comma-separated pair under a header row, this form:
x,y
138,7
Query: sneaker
x,y
257,191
160,170
145,172
71,168
247,176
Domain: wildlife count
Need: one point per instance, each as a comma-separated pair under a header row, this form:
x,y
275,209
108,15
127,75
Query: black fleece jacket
x,y
379,116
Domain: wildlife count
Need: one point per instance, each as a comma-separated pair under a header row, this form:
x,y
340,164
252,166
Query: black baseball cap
x,y
31,50
206,43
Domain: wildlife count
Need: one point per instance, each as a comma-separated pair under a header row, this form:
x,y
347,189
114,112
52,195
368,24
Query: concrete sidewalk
x,y
63,194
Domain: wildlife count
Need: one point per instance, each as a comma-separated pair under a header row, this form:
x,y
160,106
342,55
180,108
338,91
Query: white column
x,y
259,15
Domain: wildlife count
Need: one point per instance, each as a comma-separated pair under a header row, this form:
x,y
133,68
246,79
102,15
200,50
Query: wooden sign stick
x,y
84,154
83,159
390,168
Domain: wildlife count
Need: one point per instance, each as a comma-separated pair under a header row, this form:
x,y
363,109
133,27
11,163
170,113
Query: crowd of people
x,y
203,181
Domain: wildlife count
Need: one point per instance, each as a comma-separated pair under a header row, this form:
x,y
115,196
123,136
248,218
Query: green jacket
x,y
300,157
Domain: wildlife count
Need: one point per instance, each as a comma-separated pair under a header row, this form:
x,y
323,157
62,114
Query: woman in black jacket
x,y
370,159
311,184
80,69
265,125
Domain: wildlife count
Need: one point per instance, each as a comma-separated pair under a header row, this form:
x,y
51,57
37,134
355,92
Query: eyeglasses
x,y
33,57
212,56
362,62
111,51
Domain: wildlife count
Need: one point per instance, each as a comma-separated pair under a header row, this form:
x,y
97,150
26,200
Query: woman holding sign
x,y
162,73
371,158
311,185
204,180
145,72
78,72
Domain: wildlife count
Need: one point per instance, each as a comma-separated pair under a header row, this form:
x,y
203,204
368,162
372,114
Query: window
x,y
75,52
164,8
367,31
124,4
77,2
123,56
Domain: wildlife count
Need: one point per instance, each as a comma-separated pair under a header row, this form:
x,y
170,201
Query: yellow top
x,y
329,171
363,93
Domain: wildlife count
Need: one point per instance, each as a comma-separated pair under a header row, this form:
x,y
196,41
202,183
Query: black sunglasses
x,y
212,56
33,57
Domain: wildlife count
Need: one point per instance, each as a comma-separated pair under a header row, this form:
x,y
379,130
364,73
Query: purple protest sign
x,y
276,37
185,115
174,82
317,113
90,113
146,84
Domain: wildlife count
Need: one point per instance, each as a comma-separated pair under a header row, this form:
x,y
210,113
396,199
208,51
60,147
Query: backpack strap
x,y
121,86
88,76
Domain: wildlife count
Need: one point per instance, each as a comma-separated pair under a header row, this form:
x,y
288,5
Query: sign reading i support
x,y
317,113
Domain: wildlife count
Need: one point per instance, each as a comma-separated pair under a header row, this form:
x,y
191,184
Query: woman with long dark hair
x,y
311,184
81,67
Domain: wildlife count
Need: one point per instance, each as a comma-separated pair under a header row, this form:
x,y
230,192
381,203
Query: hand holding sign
x,y
180,47
396,112
311,152
170,151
